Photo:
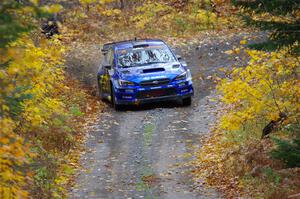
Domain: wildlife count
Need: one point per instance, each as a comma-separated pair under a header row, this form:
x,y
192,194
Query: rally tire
x,y
117,107
187,101
100,91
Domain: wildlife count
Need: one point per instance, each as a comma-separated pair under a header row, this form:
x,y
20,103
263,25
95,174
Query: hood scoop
x,y
126,72
153,70
176,66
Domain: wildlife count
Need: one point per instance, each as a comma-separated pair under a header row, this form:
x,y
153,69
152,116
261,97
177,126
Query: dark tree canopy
x,y
13,23
281,18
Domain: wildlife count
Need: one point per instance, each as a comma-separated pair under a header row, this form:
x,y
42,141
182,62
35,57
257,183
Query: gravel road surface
x,y
140,152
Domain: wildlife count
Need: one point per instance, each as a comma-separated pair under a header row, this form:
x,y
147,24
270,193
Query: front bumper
x,y
141,95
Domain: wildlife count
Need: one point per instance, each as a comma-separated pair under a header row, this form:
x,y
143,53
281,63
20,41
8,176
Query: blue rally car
x,y
143,71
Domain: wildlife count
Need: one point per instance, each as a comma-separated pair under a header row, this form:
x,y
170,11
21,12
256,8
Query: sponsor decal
x,y
156,87
155,77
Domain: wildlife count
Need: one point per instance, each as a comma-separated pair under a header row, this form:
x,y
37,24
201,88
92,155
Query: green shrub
x,y
288,151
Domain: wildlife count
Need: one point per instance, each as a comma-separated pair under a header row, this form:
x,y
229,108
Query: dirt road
x,y
139,153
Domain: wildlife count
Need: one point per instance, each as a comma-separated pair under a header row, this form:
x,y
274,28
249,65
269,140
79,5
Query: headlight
x,y
182,76
186,75
125,83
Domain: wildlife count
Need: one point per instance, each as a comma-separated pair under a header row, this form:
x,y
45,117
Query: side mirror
x,y
104,52
107,67
183,63
179,57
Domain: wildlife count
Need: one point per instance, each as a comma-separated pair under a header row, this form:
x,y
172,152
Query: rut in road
x,y
138,153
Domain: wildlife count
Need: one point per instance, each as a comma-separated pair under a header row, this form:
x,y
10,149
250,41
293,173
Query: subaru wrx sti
x,y
143,71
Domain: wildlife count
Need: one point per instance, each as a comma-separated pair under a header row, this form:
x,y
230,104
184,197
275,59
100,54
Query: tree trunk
x,y
122,4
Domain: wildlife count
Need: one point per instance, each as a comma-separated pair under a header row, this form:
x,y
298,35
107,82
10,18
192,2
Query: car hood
x,y
151,72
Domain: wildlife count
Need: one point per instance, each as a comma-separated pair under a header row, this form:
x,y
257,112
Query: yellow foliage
x,y
253,96
263,89
13,155
88,1
54,8
111,12
148,12
29,96
205,17
157,16
36,72
243,42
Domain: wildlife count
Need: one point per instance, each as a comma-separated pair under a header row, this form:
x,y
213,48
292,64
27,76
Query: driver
x,y
152,56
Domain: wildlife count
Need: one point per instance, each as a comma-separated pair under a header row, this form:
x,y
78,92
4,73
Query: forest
x,y
49,56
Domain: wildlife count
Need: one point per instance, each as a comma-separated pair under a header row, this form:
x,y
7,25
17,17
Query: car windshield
x,y
133,57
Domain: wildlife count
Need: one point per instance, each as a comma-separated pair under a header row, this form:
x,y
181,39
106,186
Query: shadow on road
x,y
148,106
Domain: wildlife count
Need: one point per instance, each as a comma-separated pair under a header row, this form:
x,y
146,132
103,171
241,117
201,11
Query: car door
x,y
103,76
108,65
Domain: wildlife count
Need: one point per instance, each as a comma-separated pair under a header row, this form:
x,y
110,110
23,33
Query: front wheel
x,y
187,101
100,90
116,106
